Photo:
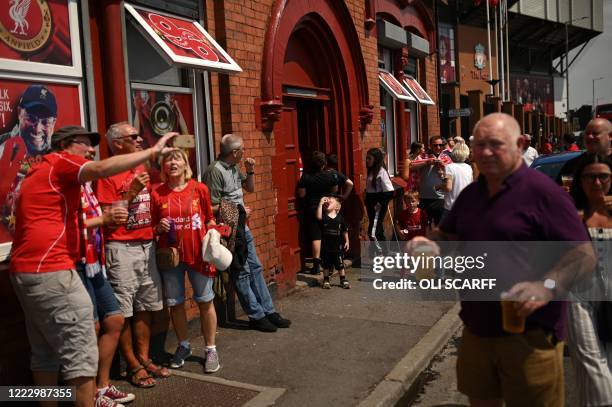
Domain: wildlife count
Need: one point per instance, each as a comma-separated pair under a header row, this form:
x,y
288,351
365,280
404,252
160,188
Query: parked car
x,y
551,164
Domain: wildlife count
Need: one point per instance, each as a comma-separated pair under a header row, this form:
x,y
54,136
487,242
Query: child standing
x,y
334,241
413,220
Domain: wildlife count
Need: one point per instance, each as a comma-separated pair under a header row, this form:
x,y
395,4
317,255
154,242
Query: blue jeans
x,y
250,285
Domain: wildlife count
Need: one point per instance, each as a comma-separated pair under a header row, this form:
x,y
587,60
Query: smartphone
x,y
184,141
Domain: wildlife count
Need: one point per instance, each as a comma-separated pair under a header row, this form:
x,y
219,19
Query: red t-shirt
x,y
573,147
190,209
138,226
46,232
415,223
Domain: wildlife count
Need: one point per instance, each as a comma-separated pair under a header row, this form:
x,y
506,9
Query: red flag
x,y
493,3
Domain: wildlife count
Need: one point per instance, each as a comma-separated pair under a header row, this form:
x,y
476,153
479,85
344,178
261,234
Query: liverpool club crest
x,y
480,60
26,25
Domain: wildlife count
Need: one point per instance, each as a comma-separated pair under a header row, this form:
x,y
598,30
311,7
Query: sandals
x,y
157,371
140,382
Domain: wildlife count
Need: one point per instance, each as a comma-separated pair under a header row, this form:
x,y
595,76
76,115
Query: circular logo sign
x,y
163,118
26,25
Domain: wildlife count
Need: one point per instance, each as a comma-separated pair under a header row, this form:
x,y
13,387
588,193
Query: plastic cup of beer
x,y
511,321
567,181
120,204
426,269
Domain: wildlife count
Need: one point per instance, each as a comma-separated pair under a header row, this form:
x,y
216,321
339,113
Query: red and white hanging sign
x,y
181,41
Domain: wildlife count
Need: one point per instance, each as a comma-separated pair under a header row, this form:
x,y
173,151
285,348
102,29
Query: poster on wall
x,y
40,36
29,113
533,92
447,53
157,113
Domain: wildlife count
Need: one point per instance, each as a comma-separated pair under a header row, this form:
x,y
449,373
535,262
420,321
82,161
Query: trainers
x,y
181,353
279,321
345,284
262,324
211,364
326,285
103,401
118,396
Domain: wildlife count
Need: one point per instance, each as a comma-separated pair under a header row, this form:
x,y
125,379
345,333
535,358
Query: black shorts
x,y
332,260
312,227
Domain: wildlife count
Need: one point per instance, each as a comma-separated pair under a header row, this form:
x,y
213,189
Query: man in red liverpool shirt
x,y
130,257
58,310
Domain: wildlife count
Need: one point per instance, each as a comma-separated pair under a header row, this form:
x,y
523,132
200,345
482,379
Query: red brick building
x,y
309,80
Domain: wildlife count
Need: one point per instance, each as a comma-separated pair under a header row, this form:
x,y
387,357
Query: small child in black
x,y
334,241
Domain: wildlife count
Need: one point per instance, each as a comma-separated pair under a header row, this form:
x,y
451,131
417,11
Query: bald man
x,y
597,138
513,203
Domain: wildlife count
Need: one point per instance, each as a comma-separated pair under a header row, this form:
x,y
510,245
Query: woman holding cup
x,y
591,355
182,213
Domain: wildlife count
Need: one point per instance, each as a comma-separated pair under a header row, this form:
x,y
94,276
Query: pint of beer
x,y
426,269
512,323
567,182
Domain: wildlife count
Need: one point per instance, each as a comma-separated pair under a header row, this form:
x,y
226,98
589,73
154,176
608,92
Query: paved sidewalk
x,y
341,345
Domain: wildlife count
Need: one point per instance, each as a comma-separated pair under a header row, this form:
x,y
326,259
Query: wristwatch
x,y
551,285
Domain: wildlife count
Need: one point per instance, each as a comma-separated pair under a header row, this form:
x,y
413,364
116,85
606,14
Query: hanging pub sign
x,y
29,113
417,91
181,41
394,87
40,36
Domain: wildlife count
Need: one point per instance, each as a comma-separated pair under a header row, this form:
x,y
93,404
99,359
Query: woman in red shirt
x,y
182,213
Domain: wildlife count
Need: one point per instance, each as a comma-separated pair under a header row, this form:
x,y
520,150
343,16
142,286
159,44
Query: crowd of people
x,y
85,265
98,250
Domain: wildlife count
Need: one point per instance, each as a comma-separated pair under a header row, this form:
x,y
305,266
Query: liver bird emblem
x,y
18,11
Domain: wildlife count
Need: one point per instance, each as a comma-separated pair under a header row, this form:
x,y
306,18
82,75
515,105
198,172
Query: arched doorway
x,y
314,85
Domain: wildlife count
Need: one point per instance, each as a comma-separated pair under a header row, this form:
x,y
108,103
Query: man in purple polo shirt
x,y
513,203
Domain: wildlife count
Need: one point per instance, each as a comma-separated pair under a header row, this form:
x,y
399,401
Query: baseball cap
x,y
73,131
39,96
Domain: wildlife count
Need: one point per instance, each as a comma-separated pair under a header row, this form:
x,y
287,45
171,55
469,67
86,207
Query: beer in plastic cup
x,y
426,269
567,180
120,204
511,322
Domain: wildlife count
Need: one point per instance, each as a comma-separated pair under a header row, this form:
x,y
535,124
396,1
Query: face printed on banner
x,y
37,113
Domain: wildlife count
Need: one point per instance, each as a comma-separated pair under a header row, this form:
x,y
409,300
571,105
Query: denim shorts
x,y
103,298
174,285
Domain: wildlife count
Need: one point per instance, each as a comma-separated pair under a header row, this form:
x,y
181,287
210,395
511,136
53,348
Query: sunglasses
x,y
602,177
132,136
438,145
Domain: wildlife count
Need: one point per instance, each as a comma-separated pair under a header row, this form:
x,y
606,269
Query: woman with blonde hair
x,y
181,212
458,175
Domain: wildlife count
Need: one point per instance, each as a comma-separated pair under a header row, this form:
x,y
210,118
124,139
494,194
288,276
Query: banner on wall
x,y
36,31
533,92
29,113
157,113
447,54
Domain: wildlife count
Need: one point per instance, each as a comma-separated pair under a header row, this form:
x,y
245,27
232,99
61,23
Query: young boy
x,y
413,220
334,234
